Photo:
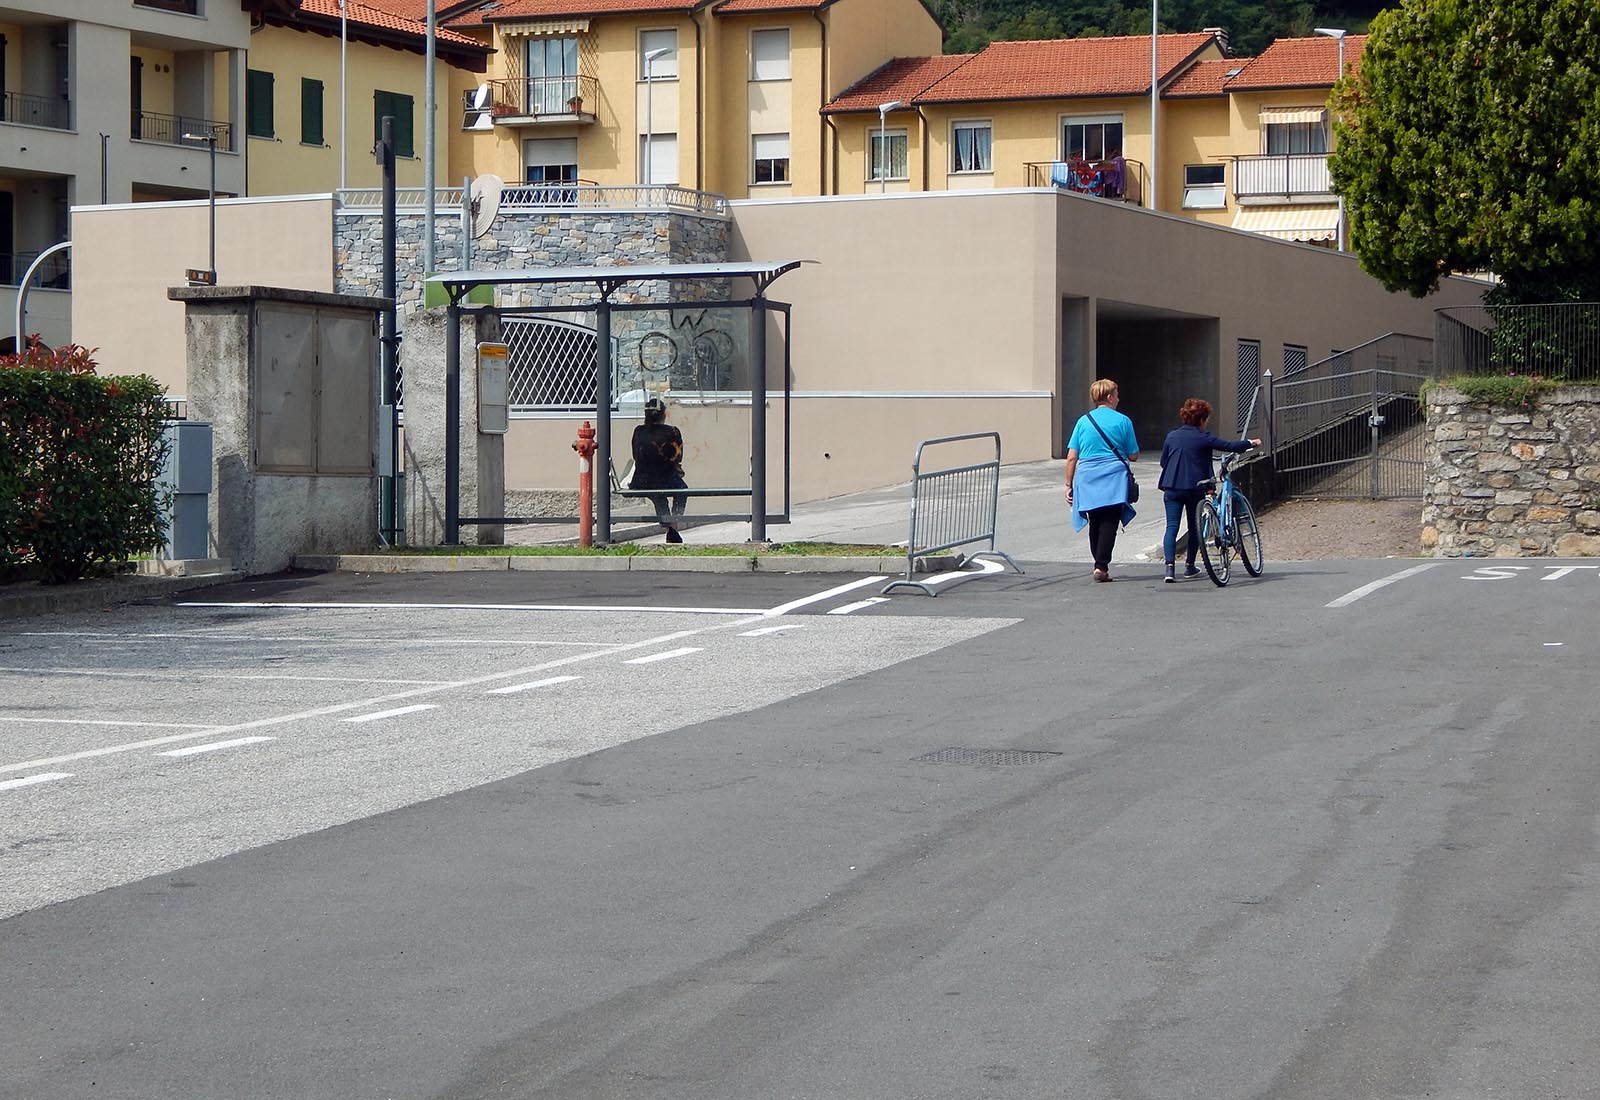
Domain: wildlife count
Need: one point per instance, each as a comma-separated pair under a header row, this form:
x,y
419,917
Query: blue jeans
x,y
1181,503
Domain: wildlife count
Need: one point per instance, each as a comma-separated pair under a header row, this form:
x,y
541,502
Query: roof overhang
x,y
608,279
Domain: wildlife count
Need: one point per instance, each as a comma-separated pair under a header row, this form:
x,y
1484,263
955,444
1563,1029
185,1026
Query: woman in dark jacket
x,y
658,464
1185,462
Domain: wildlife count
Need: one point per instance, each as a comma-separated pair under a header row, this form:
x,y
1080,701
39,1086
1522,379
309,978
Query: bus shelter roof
x,y
609,278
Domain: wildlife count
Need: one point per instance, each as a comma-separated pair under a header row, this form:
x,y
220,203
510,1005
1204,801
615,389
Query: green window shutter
x,y
310,112
393,103
258,104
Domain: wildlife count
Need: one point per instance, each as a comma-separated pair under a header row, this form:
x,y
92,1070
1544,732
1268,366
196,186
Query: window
x,y
1296,137
769,55
887,155
550,162
1295,359
664,67
659,156
310,112
1091,137
972,147
552,74
1247,360
258,103
771,158
399,106
183,7
1202,187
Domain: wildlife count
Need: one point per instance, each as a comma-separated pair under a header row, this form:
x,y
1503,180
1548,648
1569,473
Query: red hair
x,y
1195,412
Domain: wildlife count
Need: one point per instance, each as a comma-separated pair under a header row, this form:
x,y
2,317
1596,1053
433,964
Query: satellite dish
x,y
480,108
486,191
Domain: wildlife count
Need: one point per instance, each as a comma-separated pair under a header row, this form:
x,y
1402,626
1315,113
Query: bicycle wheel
x,y
1247,536
1213,550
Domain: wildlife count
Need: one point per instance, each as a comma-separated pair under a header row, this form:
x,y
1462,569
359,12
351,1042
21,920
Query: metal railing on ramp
x,y
951,507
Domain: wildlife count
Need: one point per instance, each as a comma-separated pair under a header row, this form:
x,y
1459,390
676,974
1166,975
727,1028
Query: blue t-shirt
x,y
1088,443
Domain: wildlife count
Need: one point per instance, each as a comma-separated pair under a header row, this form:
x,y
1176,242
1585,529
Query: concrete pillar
x,y
483,459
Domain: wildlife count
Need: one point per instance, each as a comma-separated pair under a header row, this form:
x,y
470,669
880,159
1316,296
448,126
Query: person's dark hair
x,y
1195,412
655,411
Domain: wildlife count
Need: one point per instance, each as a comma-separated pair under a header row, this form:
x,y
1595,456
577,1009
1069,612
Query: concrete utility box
x,y
187,476
289,382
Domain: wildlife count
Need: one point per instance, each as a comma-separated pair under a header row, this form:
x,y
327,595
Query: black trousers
x,y
1103,523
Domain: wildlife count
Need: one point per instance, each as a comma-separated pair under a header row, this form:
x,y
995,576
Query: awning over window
x,y
1284,116
1312,222
530,28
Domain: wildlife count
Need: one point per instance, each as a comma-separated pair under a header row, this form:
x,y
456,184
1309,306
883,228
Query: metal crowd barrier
x,y
951,507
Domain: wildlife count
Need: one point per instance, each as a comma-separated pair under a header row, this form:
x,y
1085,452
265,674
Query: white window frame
x,y
656,144
1289,130
666,66
971,124
1092,120
770,68
774,143
1208,194
889,137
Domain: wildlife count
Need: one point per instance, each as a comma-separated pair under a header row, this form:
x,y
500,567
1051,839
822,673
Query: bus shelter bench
x,y
618,489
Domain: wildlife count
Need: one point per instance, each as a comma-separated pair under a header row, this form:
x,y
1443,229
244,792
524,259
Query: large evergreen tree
x,y
1470,140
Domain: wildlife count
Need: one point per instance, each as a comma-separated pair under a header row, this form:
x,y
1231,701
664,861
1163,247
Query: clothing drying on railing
x,y
1103,179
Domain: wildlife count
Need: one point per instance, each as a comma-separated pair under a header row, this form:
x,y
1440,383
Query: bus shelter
x,y
604,284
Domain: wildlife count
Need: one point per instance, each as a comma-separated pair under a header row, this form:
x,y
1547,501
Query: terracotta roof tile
x,y
383,14
1065,67
1204,78
558,9
742,7
1299,63
904,79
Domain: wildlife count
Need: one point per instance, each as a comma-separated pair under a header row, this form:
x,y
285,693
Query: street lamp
x,y
210,138
1337,34
647,176
883,142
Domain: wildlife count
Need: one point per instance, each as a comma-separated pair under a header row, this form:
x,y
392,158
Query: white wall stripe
x,y
213,746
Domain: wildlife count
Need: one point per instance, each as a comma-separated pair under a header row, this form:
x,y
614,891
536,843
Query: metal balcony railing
x,y
1118,178
170,129
548,197
1281,176
534,97
54,274
54,112
182,7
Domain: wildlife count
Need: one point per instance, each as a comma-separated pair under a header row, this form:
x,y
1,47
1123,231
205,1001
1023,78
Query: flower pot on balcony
x,y
575,105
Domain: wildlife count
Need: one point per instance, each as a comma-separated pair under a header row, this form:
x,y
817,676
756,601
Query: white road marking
x,y
179,674
395,713
107,722
478,607
546,682
359,704
985,566
763,630
667,656
794,605
213,746
294,639
1556,572
1495,573
1368,589
1555,643
30,780
858,605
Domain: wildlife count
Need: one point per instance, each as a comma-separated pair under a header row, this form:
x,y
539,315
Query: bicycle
x,y
1228,527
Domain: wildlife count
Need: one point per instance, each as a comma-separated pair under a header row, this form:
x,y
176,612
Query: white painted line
x,y
1556,572
213,746
858,605
546,682
1368,589
667,656
763,630
479,607
1555,643
30,780
795,605
300,639
176,674
106,722
986,566
395,713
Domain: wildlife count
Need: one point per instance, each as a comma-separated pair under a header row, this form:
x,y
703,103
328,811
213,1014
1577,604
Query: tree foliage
x,y
1470,140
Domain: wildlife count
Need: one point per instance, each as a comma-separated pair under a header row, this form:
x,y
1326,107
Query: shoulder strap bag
x,y
1133,486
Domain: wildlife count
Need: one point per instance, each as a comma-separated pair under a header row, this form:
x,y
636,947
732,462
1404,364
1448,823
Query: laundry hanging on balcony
x,y
1299,222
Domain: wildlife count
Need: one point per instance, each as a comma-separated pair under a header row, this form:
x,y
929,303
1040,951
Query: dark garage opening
x,y
1158,358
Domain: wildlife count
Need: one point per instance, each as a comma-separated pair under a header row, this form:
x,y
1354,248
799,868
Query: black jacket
x,y
1186,457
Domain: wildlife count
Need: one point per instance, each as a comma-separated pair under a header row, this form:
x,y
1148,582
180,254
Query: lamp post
x,y
1155,101
648,175
210,138
1337,34
883,143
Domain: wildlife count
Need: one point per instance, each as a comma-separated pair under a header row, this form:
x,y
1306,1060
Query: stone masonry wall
x,y
1506,482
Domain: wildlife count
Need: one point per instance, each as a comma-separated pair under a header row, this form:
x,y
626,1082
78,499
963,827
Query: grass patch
x,y
1516,391
659,550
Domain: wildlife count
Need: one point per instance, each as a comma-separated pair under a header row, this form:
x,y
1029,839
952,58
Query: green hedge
x,y
79,458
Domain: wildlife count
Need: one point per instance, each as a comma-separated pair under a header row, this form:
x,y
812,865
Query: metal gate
x,y
1351,425
553,363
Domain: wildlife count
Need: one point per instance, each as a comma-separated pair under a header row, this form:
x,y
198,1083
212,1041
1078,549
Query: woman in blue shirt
x,y
1186,459
1097,478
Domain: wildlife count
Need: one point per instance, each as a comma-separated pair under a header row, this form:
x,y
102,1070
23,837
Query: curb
x,y
641,563
93,595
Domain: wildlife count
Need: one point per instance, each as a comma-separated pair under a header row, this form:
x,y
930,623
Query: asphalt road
x,y
1330,833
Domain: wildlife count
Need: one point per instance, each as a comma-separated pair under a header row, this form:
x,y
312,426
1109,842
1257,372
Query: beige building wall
x,y
125,257
1196,131
1244,132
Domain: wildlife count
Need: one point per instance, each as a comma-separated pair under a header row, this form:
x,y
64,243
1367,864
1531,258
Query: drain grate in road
x,y
986,756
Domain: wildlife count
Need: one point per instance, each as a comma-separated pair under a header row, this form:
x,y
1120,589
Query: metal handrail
x,y
170,129
539,96
50,112
544,197
1299,173
1088,177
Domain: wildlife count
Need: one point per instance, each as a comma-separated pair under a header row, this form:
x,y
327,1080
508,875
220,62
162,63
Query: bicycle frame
x,y
1221,537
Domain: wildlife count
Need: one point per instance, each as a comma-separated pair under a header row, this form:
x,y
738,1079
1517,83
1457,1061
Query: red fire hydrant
x,y
585,447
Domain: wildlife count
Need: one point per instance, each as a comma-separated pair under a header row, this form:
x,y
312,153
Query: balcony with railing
x,y
549,197
54,274
532,101
182,7
51,112
1119,179
1286,176
170,129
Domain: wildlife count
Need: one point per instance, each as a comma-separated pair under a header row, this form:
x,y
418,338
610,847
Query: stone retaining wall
x,y
1506,482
